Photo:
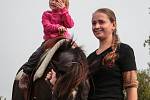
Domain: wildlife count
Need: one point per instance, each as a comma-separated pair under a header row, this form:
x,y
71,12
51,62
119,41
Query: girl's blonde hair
x,y
111,57
66,3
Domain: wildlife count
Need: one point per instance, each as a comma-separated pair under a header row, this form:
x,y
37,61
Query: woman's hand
x,y
51,76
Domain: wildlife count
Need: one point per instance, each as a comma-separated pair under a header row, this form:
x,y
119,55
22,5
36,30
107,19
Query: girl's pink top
x,y
51,20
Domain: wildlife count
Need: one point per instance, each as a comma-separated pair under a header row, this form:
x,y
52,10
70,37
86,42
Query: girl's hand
x,y
61,30
51,76
60,4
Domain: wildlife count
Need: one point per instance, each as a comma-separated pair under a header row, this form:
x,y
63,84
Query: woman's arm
x,y
51,76
132,93
130,84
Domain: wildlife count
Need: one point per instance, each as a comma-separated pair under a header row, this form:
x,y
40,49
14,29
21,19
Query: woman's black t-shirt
x,y
106,83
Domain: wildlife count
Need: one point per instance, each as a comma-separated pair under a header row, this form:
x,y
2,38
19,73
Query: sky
x,y
21,31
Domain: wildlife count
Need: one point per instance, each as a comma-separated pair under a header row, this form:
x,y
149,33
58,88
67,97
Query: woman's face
x,y
102,27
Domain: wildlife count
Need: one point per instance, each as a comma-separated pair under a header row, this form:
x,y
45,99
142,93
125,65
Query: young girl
x,y
55,24
57,21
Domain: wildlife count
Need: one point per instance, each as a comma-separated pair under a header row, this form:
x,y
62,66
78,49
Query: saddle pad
x,y
46,59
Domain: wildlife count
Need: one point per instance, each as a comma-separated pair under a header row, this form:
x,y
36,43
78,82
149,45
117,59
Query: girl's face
x,y
102,27
52,4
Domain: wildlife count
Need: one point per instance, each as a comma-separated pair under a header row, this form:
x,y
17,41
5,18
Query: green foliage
x,y
144,79
144,84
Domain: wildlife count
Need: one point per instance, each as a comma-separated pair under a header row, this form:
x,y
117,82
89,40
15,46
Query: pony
x,y
71,67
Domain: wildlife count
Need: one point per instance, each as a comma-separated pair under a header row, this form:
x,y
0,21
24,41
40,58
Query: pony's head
x,y
71,68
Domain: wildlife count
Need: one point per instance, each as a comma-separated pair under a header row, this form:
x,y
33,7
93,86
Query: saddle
x,y
50,46
51,42
47,46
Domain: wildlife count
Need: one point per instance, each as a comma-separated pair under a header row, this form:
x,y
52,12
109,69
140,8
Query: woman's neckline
x,y
102,51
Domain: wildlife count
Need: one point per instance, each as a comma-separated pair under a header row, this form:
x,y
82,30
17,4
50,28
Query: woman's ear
x,y
114,25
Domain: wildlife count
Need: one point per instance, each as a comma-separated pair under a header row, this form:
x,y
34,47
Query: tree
x,y
147,43
144,79
144,84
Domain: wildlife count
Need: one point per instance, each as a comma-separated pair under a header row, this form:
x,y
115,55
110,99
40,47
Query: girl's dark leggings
x,y
33,60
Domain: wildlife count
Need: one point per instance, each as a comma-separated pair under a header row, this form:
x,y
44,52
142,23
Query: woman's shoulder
x,y
124,47
126,58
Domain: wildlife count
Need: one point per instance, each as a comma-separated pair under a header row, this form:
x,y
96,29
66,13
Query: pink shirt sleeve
x,y
47,25
67,20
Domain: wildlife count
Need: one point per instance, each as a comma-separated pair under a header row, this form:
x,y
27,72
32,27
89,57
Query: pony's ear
x,y
74,45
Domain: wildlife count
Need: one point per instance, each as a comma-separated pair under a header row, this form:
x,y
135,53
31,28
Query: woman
x,y
112,64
